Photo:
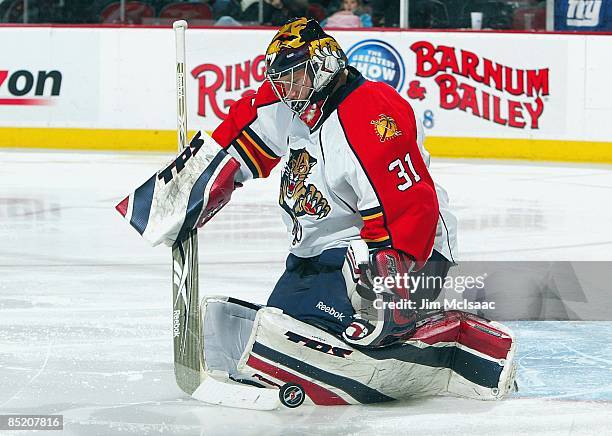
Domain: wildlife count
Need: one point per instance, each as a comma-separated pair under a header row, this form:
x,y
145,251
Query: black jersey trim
x,y
379,244
255,137
447,239
370,212
247,160
351,208
384,217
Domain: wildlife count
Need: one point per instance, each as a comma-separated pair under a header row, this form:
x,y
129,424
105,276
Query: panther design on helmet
x,y
302,63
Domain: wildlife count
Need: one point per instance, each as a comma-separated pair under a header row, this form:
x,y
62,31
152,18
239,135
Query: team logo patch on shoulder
x,y
386,128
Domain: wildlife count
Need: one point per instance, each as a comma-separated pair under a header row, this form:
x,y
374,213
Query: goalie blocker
x,y
451,353
184,195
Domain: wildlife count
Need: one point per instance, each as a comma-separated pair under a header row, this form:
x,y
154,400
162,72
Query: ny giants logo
x,y
583,13
319,346
520,104
22,83
213,80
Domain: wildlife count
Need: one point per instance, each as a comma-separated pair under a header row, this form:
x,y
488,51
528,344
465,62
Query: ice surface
x,y
85,325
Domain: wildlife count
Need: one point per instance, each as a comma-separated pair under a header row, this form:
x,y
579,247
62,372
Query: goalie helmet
x,y
302,63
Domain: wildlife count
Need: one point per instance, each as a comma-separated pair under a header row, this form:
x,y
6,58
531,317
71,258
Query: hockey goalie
x,y
361,211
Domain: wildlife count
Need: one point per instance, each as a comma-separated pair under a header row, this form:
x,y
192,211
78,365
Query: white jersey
x,y
350,171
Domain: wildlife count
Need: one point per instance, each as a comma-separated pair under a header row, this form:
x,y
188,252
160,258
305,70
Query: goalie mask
x,y
302,63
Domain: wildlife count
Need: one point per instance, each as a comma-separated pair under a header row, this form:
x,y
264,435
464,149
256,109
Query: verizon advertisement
x,y
474,85
28,88
51,77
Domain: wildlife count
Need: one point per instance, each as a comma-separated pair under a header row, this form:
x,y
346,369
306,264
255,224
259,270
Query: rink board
x,y
500,95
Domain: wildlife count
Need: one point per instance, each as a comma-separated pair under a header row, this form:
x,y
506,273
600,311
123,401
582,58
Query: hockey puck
x,y
291,395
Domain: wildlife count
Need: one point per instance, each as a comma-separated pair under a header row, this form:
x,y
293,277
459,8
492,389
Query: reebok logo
x,y
176,323
330,310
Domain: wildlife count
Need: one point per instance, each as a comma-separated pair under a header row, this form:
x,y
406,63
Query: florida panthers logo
x,y
297,197
386,128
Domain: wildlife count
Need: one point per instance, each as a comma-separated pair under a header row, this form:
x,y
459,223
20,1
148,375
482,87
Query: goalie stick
x,y
186,320
190,373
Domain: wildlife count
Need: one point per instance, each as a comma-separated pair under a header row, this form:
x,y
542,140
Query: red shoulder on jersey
x,y
236,131
380,128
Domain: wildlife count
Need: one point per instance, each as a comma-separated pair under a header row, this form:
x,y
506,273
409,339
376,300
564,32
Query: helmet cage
x,y
294,88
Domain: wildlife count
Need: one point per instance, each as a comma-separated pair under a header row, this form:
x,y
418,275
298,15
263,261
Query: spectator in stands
x,y
352,14
275,13
329,6
298,8
386,12
225,8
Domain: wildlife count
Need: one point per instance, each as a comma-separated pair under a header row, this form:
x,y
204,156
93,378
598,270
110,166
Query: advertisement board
x,y
459,84
518,95
49,77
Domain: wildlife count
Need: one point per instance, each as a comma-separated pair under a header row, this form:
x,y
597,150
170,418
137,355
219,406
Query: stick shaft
x,y
181,83
185,292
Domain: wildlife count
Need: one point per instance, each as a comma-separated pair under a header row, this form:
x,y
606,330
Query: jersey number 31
x,y
400,168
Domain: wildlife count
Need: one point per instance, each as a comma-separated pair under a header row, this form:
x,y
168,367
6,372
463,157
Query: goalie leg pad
x,y
480,353
453,353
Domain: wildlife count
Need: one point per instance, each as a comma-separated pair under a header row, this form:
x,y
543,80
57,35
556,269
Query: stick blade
x,y
213,391
186,313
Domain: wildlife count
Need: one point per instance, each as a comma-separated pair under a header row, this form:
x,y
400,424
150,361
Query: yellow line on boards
x,y
166,140
525,149
90,139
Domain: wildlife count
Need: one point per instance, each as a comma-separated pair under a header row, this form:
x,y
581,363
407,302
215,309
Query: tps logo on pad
x,y
378,61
